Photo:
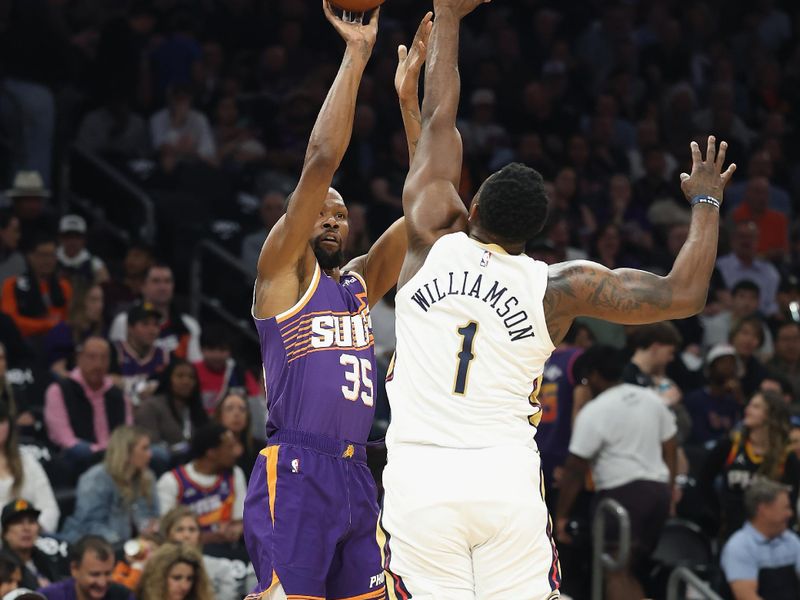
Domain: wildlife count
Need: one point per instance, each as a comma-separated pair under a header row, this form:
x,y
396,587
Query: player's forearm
x,y
691,274
412,123
331,134
442,80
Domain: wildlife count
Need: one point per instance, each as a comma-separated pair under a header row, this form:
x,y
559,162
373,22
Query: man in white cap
x,y
717,407
74,260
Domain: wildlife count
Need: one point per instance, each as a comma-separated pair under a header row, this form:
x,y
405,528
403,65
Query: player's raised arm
x,y
381,266
287,243
631,296
406,82
431,202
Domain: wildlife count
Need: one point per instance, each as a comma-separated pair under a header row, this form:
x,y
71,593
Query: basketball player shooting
x,y
311,510
463,514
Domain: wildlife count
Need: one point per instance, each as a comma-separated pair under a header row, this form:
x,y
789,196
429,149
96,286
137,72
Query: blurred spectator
x,y
180,332
558,234
358,240
233,413
776,382
121,292
630,217
218,372
175,572
270,210
114,131
758,451
742,263
84,319
236,143
747,337
626,437
21,476
138,358
482,133
28,196
117,499
21,531
14,396
773,225
717,407
177,54
786,360
91,565
174,413
663,256
37,300
74,260
759,165
654,348
762,559
180,526
82,410
181,134
561,396
745,299
10,574
137,551
211,485
607,248
11,260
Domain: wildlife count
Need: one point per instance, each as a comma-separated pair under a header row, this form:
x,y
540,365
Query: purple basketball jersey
x,y
319,359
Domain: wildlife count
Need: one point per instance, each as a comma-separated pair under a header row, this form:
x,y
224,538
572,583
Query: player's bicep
x,y
287,241
431,211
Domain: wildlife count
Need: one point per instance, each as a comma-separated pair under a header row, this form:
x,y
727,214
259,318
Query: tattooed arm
x,y
630,296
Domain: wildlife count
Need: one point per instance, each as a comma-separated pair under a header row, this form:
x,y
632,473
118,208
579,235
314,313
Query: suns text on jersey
x,y
341,331
490,291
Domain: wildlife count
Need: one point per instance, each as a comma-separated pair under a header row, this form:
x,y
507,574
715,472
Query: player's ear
x,y
473,210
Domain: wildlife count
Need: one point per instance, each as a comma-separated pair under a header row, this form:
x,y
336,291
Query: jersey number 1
x,y
465,356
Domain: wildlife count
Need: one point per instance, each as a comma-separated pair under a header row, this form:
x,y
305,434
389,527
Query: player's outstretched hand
x,y
357,35
460,7
707,177
409,62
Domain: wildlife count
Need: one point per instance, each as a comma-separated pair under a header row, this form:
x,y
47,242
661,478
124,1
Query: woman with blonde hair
x,y
175,572
180,526
758,450
117,498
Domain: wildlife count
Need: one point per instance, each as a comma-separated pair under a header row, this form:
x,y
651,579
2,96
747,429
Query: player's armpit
x,y
627,296
380,267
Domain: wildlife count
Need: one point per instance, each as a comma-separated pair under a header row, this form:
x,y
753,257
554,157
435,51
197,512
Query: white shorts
x,y
467,525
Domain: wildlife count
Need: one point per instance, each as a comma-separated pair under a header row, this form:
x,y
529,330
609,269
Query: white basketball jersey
x,y
471,347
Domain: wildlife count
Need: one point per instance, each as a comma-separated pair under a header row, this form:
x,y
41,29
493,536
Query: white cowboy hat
x,y
28,183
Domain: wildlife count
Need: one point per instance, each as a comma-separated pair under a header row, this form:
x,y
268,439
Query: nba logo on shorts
x,y
485,260
295,465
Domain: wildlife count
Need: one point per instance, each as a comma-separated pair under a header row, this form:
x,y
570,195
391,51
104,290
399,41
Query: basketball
x,y
357,6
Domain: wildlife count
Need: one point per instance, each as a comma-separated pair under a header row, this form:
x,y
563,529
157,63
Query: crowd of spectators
x,y
111,389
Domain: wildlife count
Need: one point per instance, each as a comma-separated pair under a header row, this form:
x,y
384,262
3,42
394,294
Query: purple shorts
x,y
310,520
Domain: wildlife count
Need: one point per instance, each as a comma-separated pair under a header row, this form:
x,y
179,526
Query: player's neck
x,y
478,234
204,466
758,438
